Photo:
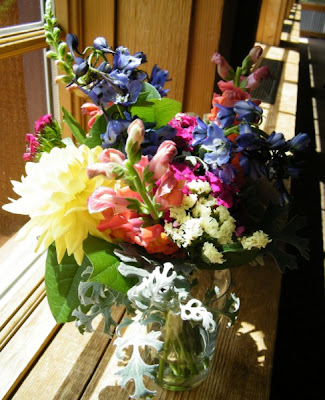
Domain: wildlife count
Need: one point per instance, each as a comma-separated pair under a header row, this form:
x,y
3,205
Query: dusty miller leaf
x,y
136,368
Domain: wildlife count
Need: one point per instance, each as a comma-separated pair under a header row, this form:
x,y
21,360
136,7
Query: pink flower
x,y
103,198
255,53
31,147
162,159
184,125
92,110
41,123
135,136
109,159
183,172
225,71
124,227
170,191
230,95
255,78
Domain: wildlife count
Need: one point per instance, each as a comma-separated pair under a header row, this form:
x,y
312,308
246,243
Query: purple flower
x,y
299,142
226,116
275,141
248,111
123,61
219,147
158,79
100,44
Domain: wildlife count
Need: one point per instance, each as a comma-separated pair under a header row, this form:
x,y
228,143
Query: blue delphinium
x,y
226,116
248,111
158,79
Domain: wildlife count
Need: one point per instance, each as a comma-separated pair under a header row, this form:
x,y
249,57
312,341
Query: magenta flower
x,y
41,123
32,145
184,125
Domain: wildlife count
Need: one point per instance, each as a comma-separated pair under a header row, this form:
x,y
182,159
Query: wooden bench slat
x,y
67,364
23,349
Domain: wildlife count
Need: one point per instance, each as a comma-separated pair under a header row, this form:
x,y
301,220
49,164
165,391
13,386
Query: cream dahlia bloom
x,y
54,194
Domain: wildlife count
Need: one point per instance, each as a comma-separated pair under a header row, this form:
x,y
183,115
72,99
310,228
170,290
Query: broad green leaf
x,y
151,92
105,263
97,129
160,111
76,129
61,283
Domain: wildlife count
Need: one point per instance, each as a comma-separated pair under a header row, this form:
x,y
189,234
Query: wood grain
x,y
203,43
23,349
159,28
271,22
67,365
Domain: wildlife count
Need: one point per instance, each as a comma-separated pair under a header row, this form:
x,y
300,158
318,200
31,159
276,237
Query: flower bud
x,y
255,53
135,138
225,71
255,78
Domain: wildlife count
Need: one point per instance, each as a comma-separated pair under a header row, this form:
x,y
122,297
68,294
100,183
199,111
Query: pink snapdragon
x,y
109,159
103,198
255,78
135,137
162,159
225,71
92,110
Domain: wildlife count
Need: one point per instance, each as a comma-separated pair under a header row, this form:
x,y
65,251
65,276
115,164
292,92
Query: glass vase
x,y
186,358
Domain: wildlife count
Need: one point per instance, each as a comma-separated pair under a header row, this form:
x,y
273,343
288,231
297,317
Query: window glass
x,y
22,102
16,12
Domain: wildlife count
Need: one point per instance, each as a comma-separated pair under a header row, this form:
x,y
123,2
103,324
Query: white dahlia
x,y
54,194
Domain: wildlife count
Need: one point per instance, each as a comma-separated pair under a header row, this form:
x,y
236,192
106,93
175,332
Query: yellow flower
x,y
54,194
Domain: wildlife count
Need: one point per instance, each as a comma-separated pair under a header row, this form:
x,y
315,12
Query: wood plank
x,y
244,355
271,22
161,30
204,42
21,315
21,272
24,348
67,364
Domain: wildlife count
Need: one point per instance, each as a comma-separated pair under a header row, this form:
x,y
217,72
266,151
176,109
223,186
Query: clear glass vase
x,y
186,358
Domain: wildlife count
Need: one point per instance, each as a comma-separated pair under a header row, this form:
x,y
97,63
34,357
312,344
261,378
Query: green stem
x,y
237,76
141,189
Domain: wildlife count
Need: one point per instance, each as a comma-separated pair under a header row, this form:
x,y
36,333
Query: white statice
x,y
189,201
186,233
192,230
223,213
211,253
199,187
201,210
210,226
226,231
259,240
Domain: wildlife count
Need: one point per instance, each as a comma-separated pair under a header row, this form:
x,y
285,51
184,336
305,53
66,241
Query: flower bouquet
x,y
132,211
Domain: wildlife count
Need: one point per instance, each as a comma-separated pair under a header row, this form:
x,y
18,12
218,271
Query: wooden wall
x,y
271,20
178,35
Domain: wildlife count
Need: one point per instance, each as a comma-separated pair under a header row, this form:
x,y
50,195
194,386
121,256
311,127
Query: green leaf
x,y
76,129
160,111
97,129
61,283
150,91
105,263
